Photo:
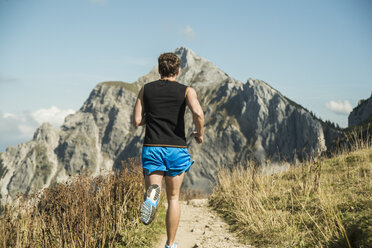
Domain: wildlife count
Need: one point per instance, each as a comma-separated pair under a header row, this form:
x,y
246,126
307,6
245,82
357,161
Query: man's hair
x,y
168,64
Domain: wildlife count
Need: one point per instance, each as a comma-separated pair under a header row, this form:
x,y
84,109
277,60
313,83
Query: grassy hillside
x,y
86,212
134,88
324,203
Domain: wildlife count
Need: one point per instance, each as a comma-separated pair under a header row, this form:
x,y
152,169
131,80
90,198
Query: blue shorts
x,y
171,160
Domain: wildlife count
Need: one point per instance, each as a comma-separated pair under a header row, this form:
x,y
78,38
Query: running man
x,y
161,107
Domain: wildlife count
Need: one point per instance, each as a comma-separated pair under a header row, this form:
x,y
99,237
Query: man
x,y
161,107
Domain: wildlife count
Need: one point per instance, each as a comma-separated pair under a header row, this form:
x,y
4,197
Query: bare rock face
x,y
361,112
242,121
30,166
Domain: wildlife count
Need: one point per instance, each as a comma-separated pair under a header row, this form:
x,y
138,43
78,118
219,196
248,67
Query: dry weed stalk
x,y
87,212
305,206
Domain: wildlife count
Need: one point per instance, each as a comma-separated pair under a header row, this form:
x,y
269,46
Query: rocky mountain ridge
x,y
361,112
242,121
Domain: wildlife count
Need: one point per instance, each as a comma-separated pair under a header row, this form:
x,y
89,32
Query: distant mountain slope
x,y
361,112
242,121
360,125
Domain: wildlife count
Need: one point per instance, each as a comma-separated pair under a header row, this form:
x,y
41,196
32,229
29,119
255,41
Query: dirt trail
x,y
201,227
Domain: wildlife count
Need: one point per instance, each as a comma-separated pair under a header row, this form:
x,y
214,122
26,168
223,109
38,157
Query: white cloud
x,y
17,128
9,115
188,32
340,107
53,115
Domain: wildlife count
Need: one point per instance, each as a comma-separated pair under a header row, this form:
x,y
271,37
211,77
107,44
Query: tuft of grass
x,y
189,194
84,212
323,203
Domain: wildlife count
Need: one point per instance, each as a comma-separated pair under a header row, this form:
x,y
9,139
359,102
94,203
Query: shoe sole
x,y
148,210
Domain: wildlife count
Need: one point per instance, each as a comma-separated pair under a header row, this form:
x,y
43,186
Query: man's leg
x,y
173,185
154,178
153,190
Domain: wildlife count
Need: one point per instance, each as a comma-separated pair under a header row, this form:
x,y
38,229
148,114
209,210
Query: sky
x,y
54,52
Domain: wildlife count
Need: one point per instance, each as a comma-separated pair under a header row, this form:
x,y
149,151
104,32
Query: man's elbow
x,y
136,122
199,115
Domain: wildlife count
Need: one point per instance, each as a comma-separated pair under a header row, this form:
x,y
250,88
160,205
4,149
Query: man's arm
x,y
197,114
138,111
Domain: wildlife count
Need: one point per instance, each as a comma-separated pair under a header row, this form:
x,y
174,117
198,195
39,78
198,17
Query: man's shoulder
x,y
180,84
152,82
175,83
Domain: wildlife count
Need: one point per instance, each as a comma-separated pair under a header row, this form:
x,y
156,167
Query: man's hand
x,y
138,111
197,114
199,138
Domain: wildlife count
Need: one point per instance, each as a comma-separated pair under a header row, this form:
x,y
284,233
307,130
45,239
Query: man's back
x,y
161,107
165,103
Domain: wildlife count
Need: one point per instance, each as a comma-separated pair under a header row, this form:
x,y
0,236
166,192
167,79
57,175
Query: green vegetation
x,y
356,135
148,236
364,127
84,212
323,203
361,102
134,88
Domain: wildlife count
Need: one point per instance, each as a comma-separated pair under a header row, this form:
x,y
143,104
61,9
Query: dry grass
x,y
187,194
86,212
324,203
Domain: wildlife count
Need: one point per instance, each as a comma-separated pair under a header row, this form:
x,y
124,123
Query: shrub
x,y
84,212
324,203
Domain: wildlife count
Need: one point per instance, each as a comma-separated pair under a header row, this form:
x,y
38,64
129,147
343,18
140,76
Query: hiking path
x,y
201,227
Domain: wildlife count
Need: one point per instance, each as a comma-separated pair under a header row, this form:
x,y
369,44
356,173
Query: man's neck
x,y
169,78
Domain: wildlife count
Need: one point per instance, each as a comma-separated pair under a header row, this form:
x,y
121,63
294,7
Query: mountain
x,y
361,113
242,121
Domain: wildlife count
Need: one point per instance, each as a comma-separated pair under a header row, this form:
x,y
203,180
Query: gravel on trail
x,y
201,227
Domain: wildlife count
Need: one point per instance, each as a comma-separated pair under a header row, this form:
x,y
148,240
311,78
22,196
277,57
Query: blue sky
x,y
53,53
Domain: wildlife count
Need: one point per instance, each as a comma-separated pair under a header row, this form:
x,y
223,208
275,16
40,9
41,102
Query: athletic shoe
x,y
173,246
148,208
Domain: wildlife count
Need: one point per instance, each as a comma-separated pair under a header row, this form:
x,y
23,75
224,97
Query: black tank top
x,y
165,103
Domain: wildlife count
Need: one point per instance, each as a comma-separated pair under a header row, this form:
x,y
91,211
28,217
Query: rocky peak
x,y
242,121
187,56
361,112
46,133
197,71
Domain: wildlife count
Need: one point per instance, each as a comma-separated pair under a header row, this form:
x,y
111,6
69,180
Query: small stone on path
x,y
201,227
